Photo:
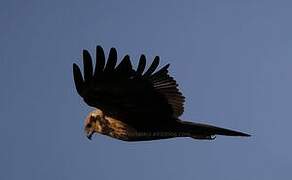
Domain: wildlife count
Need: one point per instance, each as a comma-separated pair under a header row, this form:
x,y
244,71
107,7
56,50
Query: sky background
x,y
232,60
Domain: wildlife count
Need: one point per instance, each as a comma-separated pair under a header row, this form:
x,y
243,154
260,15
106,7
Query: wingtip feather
x,y
112,60
87,65
152,67
100,60
78,79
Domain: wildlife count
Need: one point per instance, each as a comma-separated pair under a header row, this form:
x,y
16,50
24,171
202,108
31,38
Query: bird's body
x,y
133,105
116,128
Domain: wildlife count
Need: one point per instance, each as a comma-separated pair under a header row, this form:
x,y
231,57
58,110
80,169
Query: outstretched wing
x,y
122,91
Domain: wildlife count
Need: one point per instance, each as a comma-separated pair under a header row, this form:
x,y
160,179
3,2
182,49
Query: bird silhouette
x,y
135,104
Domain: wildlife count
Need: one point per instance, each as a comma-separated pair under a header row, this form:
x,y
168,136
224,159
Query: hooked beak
x,y
89,135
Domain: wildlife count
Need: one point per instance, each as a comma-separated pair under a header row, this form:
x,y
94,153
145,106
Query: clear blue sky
x,y
232,59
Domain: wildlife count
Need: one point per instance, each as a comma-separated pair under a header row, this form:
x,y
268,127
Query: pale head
x,y
92,123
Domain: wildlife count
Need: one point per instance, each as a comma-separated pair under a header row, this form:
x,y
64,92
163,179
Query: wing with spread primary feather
x,y
122,91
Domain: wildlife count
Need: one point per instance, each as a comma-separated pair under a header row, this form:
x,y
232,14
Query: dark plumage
x,y
135,105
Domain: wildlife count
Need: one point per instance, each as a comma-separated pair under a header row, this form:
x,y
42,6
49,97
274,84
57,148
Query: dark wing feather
x,y
167,86
112,60
141,65
100,61
152,67
124,69
78,79
88,69
138,97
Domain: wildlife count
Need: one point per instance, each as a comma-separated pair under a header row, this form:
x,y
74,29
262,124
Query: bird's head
x,y
92,123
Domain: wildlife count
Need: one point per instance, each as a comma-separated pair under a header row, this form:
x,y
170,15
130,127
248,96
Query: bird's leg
x,y
202,137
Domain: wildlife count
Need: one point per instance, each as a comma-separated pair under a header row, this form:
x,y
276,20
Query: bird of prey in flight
x,y
135,104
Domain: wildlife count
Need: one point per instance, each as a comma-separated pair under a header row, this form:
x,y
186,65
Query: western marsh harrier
x,y
135,104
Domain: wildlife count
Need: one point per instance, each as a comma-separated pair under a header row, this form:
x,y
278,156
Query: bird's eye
x,y
88,126
93,118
